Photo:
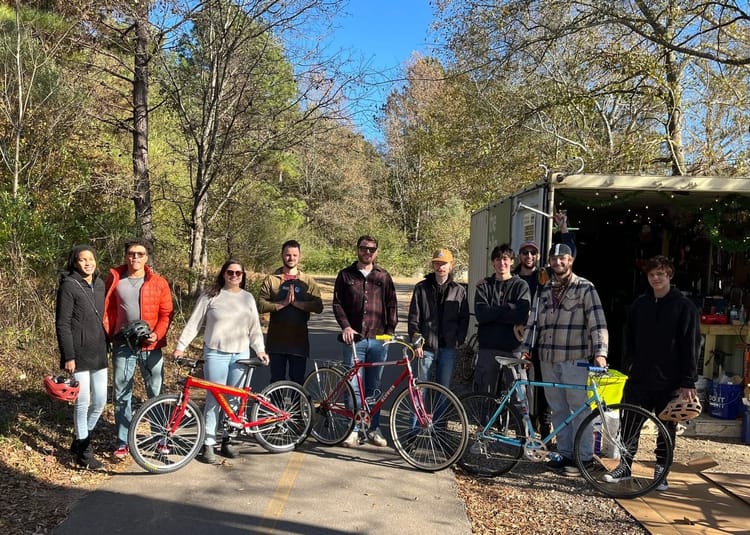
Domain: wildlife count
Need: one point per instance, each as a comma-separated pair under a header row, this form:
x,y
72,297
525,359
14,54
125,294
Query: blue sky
x,y
383,34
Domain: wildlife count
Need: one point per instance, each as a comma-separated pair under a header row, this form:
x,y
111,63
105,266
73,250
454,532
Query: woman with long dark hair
x,y
231,327
83,345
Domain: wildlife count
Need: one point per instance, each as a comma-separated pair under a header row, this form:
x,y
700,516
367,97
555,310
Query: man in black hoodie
x,y
501,301
662,343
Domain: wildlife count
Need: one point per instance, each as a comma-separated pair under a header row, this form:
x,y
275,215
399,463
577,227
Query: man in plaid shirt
x,y
570,328
364,303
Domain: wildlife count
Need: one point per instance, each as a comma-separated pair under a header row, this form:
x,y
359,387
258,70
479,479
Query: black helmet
x,y
135,333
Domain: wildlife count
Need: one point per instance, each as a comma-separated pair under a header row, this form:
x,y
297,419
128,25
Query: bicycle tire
x,y
288,433
332,418
488,457
438,444
152,446
638,453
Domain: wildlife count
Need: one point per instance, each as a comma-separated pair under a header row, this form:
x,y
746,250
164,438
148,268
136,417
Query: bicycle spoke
x,y
488,456
433,436
288,432
332,404
152,445
633,443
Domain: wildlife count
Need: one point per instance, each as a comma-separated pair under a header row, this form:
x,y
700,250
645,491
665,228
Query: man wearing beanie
x,y
570,328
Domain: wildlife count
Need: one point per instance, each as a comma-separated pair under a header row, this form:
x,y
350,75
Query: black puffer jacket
x,y
78,322
662,342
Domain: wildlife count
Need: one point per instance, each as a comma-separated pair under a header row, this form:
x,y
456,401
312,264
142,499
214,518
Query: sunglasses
x,y
529,252
136,254
367,249
233,273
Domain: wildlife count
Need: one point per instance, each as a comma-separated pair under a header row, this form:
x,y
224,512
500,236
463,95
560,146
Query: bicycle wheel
x,y
487,457
633,443
152,445
332,402
441,440
282,433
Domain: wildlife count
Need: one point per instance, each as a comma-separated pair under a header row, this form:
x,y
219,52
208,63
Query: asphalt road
x,y
314,490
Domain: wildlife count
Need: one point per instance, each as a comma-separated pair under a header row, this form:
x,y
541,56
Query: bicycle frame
x,y
234,418
352,375
518,388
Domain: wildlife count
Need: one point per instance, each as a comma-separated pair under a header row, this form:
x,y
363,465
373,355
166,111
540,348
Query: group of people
x,y
548,315
562,321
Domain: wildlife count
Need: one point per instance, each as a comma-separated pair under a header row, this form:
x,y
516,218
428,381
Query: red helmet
x,y
61,388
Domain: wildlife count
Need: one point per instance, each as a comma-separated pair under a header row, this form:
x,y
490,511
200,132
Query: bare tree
x,y
241,100
644,52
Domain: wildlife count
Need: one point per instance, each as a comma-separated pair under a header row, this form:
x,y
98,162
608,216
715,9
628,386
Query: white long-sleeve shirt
x,y
231,322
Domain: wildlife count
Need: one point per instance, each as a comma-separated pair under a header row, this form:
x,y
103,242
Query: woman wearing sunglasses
x,y
231,327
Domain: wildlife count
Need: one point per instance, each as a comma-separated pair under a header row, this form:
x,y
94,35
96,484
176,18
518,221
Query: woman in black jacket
x,y
83,345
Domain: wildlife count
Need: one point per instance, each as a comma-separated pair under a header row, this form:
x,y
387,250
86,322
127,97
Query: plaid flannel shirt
x,y
574,329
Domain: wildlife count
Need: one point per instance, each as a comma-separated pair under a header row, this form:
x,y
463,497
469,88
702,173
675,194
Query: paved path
x,y
314,490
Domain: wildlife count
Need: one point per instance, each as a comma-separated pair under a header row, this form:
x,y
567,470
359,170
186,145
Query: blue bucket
x,y
724,400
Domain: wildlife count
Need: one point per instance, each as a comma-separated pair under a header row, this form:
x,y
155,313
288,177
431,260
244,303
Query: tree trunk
x,y
674,113
141,181
198,251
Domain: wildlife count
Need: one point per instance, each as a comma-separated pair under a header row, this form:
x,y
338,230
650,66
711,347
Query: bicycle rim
x,y
332,403
288,433
151,444
631,437
486,456
439,441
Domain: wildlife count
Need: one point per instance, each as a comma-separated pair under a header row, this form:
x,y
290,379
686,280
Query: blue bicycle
x,y
629,442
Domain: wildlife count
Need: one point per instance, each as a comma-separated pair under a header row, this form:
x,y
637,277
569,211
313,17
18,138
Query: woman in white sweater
x,y
232,327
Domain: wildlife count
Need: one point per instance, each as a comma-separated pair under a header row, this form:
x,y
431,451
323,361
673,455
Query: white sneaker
x,y
352,441
376,438
658,471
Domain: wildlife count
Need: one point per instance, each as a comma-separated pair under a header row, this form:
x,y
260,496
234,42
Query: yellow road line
x,y
278,501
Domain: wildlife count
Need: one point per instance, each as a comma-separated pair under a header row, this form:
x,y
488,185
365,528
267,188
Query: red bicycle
x,y
167,431
428,424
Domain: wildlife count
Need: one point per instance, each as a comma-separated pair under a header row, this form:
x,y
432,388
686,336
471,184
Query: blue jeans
x,y
368,350
124,361
563,402
440,362
220,367
91,400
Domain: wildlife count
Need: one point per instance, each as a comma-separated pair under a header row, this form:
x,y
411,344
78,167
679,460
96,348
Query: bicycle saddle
x,y
252,362
511,361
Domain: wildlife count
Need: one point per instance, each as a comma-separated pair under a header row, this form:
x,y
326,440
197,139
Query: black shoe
x,y
228,450
207,454
85,456
74,446
559,463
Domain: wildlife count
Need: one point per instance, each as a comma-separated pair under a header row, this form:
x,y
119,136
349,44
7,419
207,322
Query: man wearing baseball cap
x,y
439,311
530,270
570,328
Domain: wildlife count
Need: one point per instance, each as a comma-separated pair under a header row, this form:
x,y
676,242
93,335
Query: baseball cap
x,y
559,249
442,255
528,245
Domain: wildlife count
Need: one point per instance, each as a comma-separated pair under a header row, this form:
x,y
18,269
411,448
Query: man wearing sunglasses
x,y
135,292
290,296
364,303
